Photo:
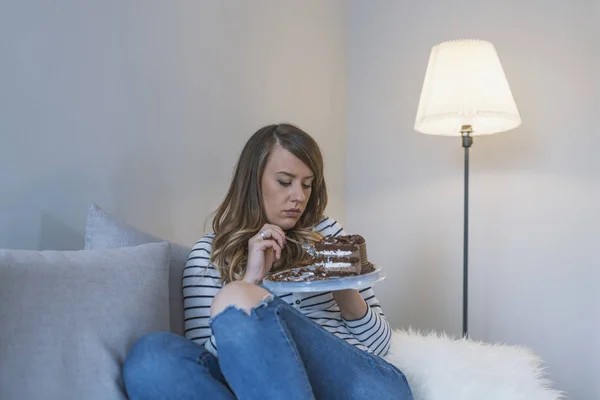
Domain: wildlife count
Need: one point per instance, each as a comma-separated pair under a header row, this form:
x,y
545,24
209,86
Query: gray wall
x,y
143,107
535,192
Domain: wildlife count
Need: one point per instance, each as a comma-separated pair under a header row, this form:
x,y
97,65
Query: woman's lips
x,y
291,213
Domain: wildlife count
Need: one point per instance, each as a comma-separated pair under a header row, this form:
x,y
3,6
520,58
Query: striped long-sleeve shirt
x,y
371,333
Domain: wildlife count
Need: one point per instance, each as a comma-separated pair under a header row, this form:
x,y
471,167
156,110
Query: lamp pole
x,y
467,141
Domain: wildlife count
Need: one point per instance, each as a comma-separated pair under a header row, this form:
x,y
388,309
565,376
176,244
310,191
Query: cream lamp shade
x,y
465,85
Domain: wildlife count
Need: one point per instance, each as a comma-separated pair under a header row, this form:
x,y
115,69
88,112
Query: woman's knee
x,y
239,294
145,358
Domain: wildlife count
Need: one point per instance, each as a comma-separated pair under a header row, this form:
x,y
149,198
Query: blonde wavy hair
x,y
241,214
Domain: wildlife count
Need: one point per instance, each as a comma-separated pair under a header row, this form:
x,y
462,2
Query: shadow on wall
x,y
137,186
142,191
55,234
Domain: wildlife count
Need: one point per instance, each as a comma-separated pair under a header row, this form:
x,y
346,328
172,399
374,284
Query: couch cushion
x,y
104,231
68,318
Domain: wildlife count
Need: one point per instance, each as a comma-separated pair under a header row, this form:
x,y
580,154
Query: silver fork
x,y
306,246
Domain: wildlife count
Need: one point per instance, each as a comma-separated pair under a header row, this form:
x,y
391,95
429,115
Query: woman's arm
x,y
351,304
200,285
372,329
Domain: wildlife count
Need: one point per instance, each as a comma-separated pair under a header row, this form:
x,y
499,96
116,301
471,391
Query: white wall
x,y
144,107
593,38
535,193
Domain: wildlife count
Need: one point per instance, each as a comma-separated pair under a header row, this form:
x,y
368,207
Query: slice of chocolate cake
x,y
333,257
339,255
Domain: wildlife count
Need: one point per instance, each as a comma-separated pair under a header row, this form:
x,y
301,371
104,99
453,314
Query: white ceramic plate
x,y
348,282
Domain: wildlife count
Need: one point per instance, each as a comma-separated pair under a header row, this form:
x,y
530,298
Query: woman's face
x,y
286,186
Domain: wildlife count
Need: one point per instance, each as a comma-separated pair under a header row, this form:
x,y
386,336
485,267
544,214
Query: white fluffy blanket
x,y
439,367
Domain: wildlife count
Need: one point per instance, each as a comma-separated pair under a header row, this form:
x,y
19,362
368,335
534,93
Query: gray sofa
x,y
68,318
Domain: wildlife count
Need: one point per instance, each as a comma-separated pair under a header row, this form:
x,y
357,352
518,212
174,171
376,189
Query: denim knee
x,y
145,358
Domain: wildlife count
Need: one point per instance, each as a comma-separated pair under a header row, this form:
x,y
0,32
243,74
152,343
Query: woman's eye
x,y
306,186
282,183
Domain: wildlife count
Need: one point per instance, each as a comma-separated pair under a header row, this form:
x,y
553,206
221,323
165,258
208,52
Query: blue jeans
x,y
273,353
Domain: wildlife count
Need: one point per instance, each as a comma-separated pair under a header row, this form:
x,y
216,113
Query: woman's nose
x,y
298,194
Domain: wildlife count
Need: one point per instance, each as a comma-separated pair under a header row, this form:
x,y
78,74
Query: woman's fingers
x,y
270,244
274,232
278,230
264,248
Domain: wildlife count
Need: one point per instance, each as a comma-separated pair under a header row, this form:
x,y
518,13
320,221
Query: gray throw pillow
x,y
104,231
68,318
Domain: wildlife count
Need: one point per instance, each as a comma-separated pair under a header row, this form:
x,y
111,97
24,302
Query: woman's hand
x,y
263,249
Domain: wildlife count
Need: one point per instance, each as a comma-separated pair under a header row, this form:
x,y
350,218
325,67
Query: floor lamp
x,y
465,93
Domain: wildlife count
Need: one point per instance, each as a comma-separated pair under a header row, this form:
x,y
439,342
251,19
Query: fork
x,y
306,246
297,242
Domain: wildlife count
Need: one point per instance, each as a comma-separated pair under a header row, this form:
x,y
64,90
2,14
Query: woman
x,y
292,346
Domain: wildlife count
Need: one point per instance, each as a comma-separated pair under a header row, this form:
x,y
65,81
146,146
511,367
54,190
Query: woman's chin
x,y
286,223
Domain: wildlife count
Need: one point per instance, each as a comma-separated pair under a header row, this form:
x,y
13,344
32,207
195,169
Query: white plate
x,y
348,282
